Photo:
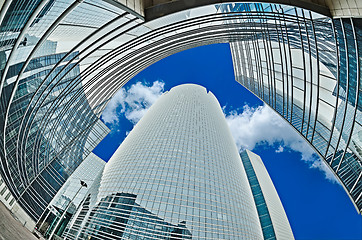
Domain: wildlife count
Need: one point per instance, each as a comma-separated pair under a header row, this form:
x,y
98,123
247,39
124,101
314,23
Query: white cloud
x,y
132,102
280,149
253,126
324,168
263,126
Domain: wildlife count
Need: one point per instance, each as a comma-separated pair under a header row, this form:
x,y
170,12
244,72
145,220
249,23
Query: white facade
x,y
87,171
277,214
182,164
10,203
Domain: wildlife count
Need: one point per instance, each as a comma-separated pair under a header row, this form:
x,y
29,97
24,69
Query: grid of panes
x,y
42,99
292,66
261,206
182,167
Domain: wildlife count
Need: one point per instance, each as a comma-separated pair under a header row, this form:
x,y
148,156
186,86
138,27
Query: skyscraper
x,y
273,219
177,175
70,195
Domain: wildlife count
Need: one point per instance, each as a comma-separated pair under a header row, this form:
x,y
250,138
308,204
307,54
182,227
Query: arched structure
x,y
61,61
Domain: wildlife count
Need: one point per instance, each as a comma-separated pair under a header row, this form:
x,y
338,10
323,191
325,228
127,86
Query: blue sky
x,y
316,205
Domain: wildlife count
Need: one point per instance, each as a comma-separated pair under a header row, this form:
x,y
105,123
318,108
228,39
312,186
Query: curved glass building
x,y
178,175
62,60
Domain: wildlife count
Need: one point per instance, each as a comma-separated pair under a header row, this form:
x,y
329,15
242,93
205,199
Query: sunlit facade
x,y
61,61
273,219
177,175
70,196
43,138
312,83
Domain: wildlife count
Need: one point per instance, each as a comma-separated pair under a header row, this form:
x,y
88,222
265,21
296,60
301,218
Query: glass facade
x,y
177,175
47,125
310,75
70,196
273,220
122,217
61,61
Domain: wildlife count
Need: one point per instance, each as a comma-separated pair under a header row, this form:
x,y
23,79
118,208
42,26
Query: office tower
x,y
71,195
48,148
273,220
314,89
289,55
177,175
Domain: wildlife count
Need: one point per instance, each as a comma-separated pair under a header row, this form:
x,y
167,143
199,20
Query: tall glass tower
x,y
273,219
177,173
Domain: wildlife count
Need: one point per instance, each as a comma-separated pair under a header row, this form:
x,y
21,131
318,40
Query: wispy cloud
x,y
251,127
132,102
262,125
280,149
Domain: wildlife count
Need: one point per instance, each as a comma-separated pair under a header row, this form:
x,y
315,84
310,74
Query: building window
x,y
12,201
3,191
7,196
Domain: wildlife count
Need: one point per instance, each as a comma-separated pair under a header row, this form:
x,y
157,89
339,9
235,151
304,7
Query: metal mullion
x,y
248,52
35,196
46,186
271,62
298,67
139,66
65,74
76,25
304,72
3,10
311,75
36,47
18,40
54,126
140,60
102,74
248,63
111,11
235,58
278,25
2,81
101,221
323,75
113,64
323,125
337,93
355,184
69,104
54,158
266,63
24,204
348,169
318,78
52,171
257,57
359,196
289,76
242,62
